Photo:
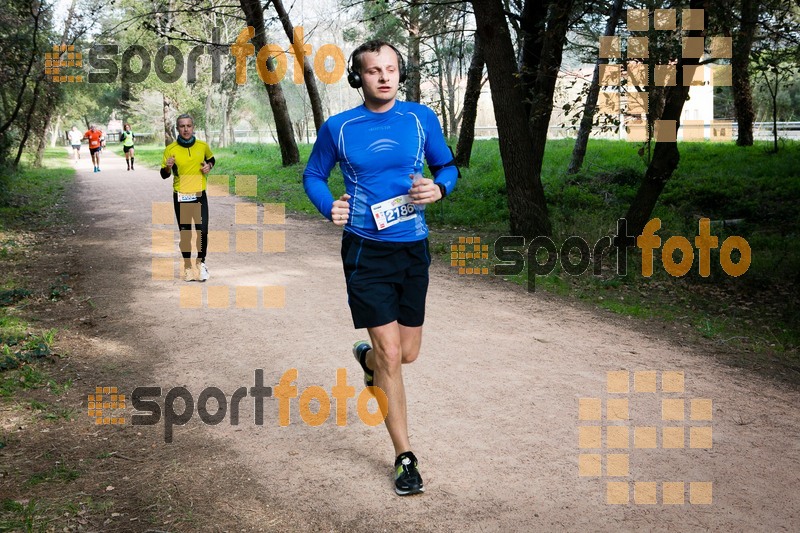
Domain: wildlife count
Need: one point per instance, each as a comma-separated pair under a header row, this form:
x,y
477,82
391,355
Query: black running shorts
x,y
386,281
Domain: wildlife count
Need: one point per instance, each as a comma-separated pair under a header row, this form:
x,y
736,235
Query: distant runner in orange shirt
x,y
96,142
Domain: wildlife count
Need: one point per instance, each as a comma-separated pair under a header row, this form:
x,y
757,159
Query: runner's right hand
x,y
340,212
170,161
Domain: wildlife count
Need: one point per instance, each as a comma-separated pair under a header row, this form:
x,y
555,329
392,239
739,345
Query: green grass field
x,y
758,190
720,181
32,200
717,181
30,197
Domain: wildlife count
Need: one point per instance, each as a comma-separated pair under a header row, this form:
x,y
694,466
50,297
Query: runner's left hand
x,y
424,191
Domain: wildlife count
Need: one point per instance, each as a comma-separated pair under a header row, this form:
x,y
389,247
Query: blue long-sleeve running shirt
x,y
376,153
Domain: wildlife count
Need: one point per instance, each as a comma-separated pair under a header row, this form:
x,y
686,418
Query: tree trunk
x,y
740,72
526,203
775,111
665,155
37,162
168,137
469,112
164,21
451,100
455,118
543,89
56,135
230,103
223,124
442,100
227,103
413,92
533,28
296,38
655,108
290,155
29,119
24,79
207,122
51,94
589,109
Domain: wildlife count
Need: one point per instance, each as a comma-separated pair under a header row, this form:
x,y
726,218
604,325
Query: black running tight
x,y
189,213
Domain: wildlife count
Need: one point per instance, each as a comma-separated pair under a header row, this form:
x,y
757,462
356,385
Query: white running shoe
x,y
203,270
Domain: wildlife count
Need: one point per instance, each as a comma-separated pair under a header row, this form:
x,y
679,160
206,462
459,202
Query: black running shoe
x,y
360,349
406,475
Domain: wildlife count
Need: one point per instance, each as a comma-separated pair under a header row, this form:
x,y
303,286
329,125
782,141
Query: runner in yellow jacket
x,y
189,160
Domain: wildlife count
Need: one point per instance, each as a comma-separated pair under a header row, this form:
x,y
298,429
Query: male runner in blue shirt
x,y
380,147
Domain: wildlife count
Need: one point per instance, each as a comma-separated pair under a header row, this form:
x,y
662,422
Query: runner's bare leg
x,y
386,358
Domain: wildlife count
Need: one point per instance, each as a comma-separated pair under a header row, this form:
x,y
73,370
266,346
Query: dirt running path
x,y
493,398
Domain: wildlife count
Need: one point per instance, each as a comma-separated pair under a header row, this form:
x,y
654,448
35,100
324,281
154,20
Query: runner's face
x,y
380,75
185,128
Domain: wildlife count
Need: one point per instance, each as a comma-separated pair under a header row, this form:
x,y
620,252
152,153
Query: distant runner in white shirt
x,y
75,139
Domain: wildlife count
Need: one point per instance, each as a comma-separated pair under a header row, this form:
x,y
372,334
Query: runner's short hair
x,y
184,115
374,45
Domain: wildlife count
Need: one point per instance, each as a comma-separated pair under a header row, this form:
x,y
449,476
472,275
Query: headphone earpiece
x,y
354,79
401,64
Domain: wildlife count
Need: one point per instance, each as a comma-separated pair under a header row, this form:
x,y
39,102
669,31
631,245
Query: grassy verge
x,y
60,471
54,477
30,393
746,192
32,200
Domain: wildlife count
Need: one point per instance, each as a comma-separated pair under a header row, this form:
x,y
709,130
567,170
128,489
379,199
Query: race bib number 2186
x,y
392,211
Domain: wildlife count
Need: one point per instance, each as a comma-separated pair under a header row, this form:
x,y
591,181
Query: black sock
x,y
131,162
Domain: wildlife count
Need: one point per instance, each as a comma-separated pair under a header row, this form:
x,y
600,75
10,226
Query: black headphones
x,y
354,77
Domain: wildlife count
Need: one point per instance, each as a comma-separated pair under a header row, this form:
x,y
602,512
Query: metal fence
x,y
764,130
761,131
112,137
